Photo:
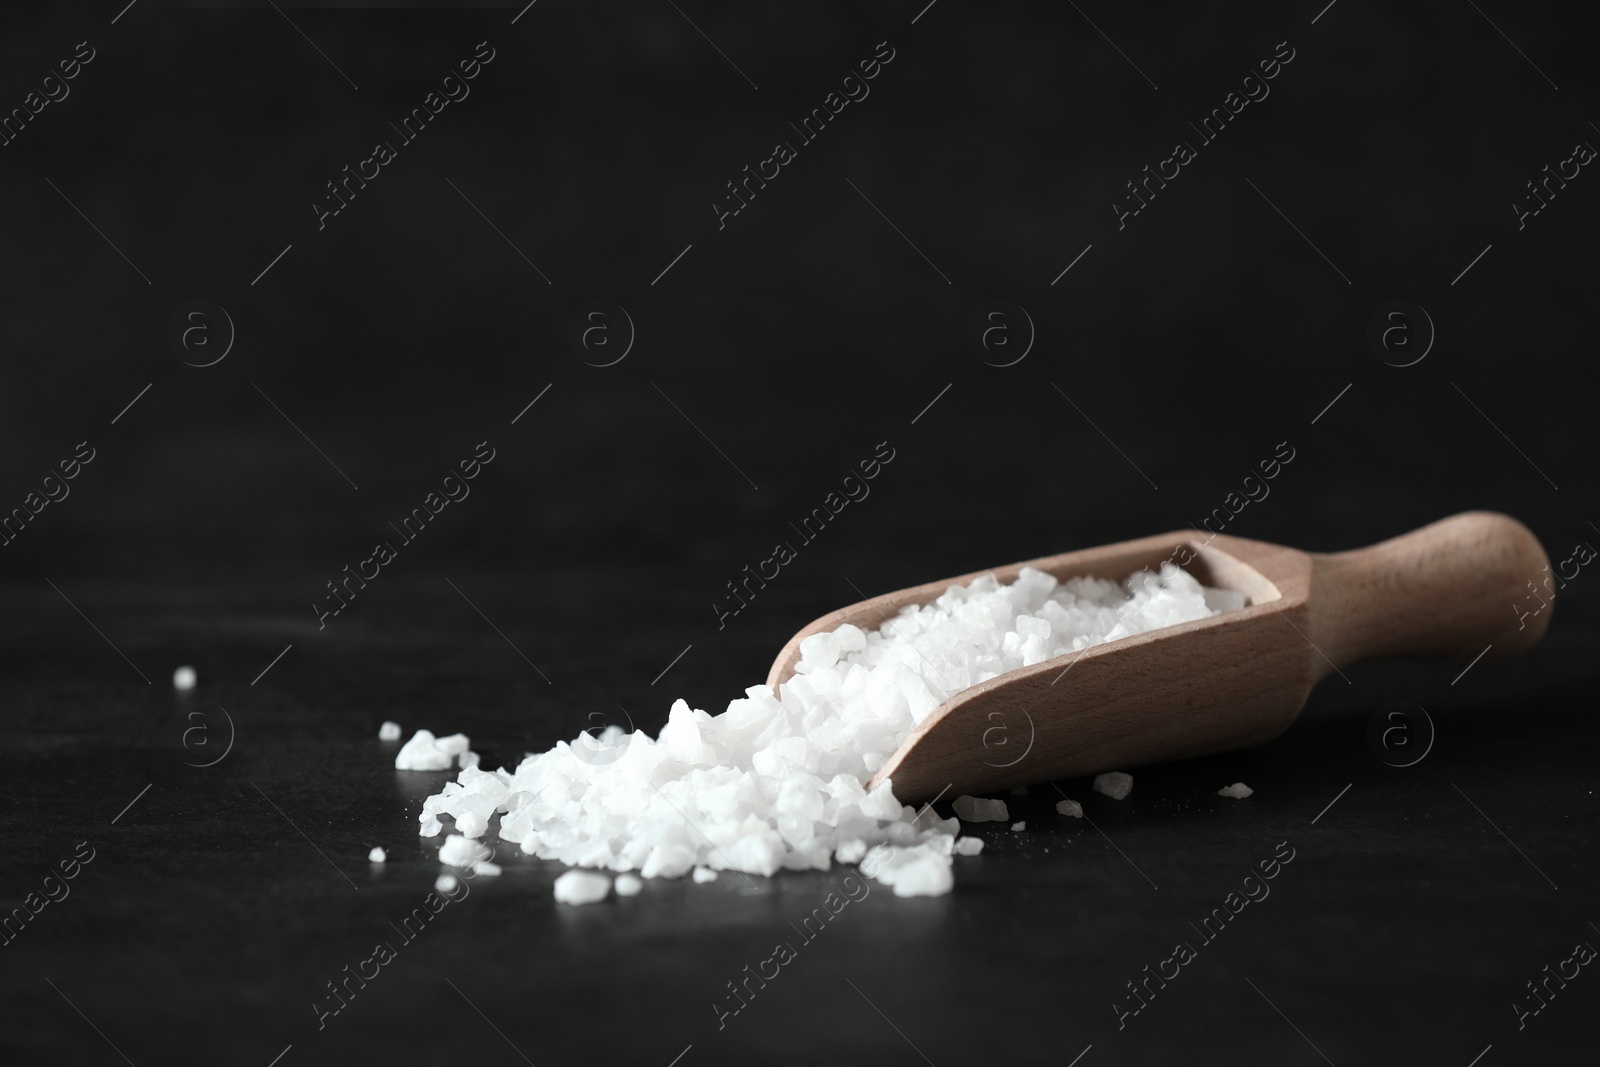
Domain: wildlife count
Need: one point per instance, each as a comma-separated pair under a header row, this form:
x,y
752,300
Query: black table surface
x,y
1426,911
222,901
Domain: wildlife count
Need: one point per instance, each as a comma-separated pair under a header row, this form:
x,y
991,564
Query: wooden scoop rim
x,y
1263,592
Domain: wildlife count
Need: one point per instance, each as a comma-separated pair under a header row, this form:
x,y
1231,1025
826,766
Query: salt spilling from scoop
x,y
778,780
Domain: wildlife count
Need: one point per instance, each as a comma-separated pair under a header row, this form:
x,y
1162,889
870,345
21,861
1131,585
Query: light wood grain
x,y
1230,681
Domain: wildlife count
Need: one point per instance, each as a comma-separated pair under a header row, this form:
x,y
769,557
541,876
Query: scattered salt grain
x,y
1070,807
919,871
1019,826
389,731
778,781
628,885
1113,784
704,874
1238,791
459,851
423,753
446,883
977,809
183,678
377,855
484,867
581,887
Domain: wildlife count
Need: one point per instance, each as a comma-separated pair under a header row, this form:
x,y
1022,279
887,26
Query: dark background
x,y
807,331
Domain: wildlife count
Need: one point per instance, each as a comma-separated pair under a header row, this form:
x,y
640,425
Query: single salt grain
x,y
704,874
977,809
453,744
928,879
446,883
468,759
389,731
1070,807
1019,826
1113,784
484,867
459,851
628,885
422,753
377,855
183,678
968,846
581,887
1238,791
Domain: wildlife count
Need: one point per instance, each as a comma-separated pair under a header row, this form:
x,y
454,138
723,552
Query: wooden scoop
x,y
1233,680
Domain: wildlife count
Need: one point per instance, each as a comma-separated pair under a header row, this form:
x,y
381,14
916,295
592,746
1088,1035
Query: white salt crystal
x,y
1238,791
977,809
1113,784
1224,599
880,803
1019,826
484,867
446,883
460,851
389,731
628,885
704,874
377,855
421,753
1070,807
777,781
916,872
581,887
183,678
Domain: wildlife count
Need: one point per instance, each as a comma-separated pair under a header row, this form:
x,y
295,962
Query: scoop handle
x,y
1472,581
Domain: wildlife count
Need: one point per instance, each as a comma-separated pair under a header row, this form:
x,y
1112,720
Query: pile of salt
x,y
777,781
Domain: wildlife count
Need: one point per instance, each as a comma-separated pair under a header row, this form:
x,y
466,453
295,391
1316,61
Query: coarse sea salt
x,y
581,887
1238,791
977,809
389,731
1113,784
424,752
778,780
1070,807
